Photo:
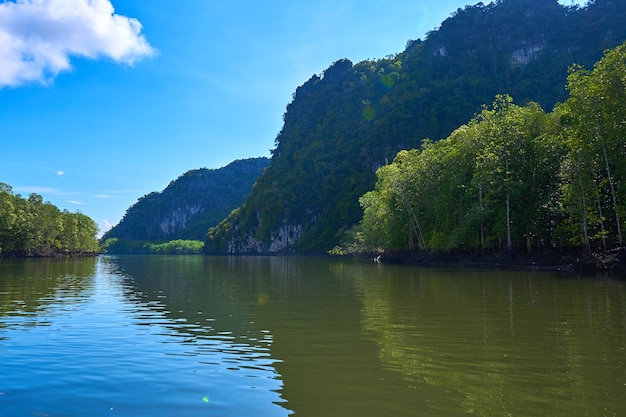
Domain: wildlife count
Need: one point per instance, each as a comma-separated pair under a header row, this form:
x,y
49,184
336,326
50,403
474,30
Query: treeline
x,y
134,247
32,227
349,121
515,177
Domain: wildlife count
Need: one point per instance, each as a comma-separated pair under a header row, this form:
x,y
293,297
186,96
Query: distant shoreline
x,y
51,256
613,261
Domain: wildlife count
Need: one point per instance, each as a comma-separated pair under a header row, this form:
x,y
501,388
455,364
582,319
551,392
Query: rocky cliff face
x,y
357,116
522,56
179,219
189,205
282,241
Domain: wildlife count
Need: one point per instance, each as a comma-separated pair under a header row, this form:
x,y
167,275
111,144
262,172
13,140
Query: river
x,y
275,336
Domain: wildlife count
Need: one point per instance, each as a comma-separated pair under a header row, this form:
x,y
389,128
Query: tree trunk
x,y
482,226
602,233
509,243
584,217
608,173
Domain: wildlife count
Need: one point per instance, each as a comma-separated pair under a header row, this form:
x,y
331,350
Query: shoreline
x,y
21,255
572,261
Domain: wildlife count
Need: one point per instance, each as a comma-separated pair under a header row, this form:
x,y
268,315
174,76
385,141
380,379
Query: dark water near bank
x,y
274,336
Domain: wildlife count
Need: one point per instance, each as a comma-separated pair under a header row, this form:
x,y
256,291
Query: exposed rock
x,y
189,205
523,56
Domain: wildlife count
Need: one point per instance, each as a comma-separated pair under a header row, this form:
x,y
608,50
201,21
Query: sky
x,y
105,101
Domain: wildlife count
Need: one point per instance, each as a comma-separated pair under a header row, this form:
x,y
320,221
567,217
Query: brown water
x,y
272,336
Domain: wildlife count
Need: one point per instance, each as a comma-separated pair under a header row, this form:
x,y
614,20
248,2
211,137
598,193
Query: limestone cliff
x,y
191,204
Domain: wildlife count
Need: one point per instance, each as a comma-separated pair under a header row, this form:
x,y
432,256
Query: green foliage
x,y
172,247
345,124
189,205
482,187
352,243
514,177
32,227
594,174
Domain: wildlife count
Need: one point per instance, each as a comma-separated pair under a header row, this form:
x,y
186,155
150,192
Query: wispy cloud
x,y
37,190
60,173
46,191
115,193
76,202
38,37
107,225
104,196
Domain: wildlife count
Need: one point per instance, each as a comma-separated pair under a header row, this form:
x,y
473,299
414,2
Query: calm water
x,y
275,336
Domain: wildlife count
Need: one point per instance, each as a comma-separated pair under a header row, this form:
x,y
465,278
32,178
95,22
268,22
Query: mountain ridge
x,y
343,125
190,204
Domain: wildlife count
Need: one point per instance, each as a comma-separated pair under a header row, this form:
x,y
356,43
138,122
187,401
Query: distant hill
x,y
191,204
343,125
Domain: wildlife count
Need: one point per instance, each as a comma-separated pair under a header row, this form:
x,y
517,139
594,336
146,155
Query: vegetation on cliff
x,y
114,245
32,227
185,209
514,178
354,118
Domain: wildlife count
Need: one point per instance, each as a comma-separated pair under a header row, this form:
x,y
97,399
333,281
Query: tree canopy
x,y
32,227
514,177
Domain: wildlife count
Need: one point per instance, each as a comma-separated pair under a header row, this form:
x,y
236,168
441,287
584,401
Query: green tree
x,y
512,171
595,133
8,218
32,227
489,184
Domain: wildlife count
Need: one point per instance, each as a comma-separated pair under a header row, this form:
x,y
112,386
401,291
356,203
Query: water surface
x,y
274,336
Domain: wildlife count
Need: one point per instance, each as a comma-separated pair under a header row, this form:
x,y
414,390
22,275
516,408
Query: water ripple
x,y
115,352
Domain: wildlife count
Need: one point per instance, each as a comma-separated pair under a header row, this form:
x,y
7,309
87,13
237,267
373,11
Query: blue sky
x,y
104,101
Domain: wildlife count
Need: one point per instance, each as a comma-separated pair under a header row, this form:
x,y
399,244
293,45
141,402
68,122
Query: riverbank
x,y
566,260
59,255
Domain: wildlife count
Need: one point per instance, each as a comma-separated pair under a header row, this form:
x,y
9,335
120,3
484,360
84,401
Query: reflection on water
x,y
110,348
520,344
23,291
271,336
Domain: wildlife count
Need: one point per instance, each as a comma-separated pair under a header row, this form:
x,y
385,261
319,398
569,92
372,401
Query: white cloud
x,y
38,37
44,190
37,190
76,202
60,173
104,196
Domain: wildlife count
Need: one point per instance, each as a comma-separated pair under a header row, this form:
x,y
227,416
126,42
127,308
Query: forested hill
x,y
33,227
189,205
354,118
